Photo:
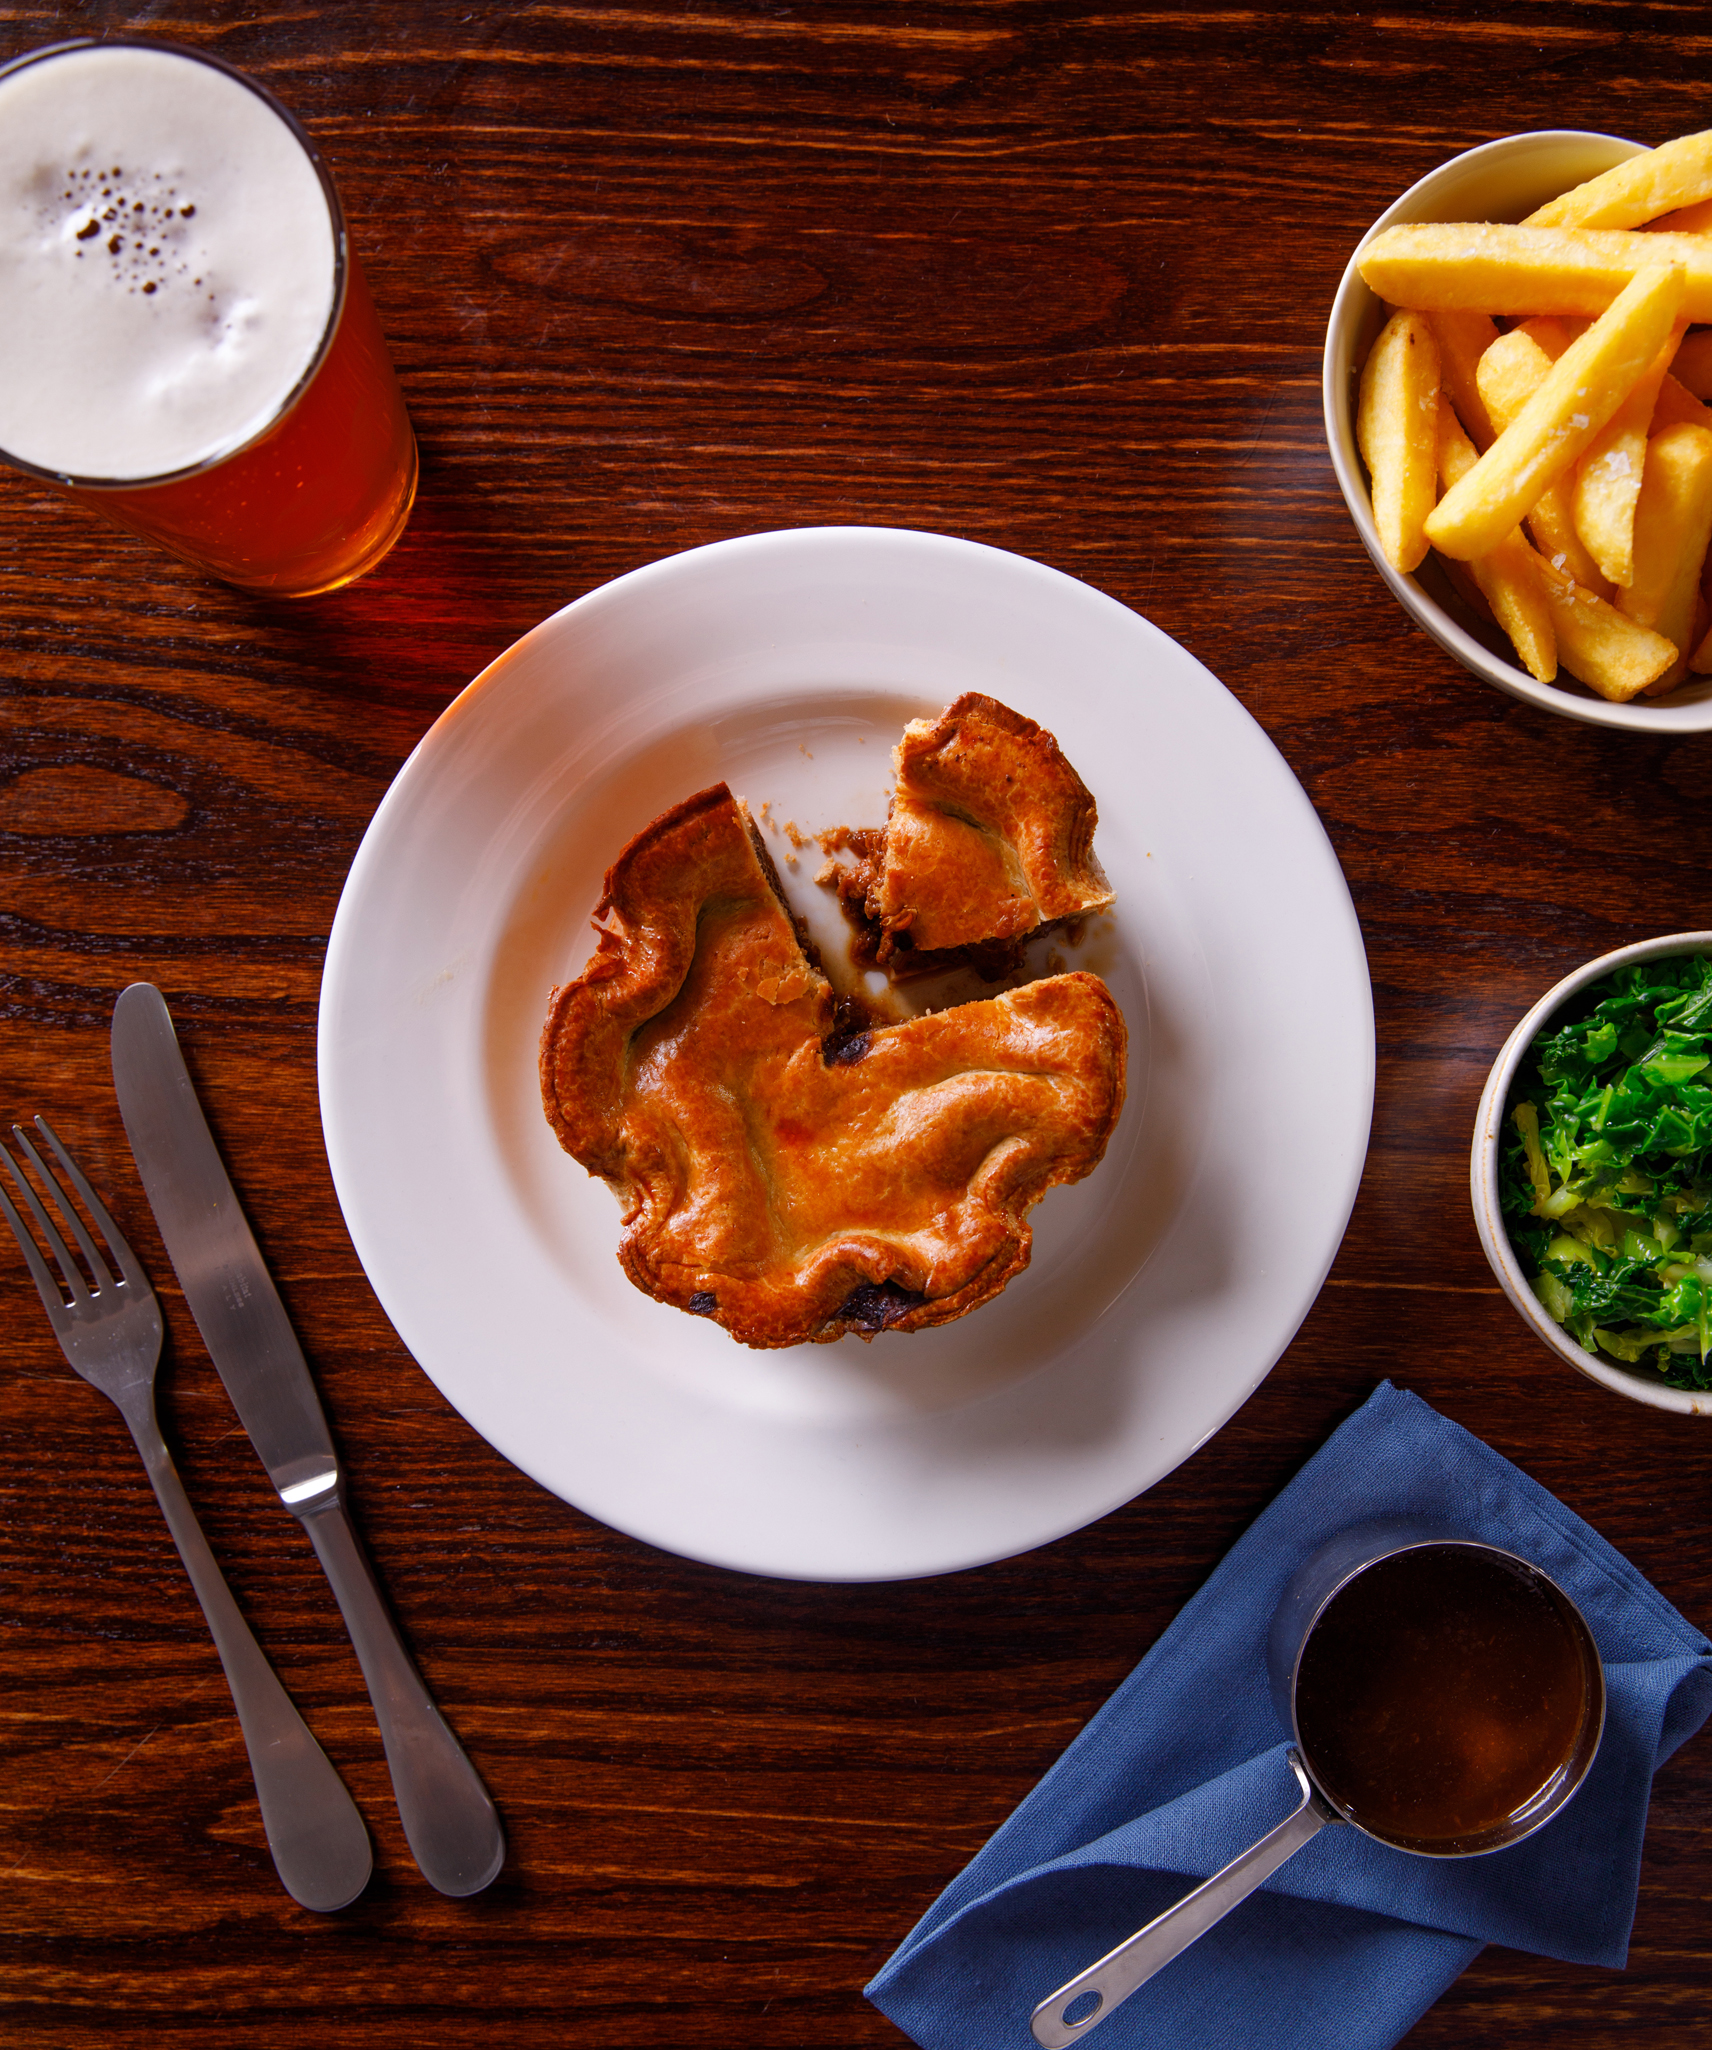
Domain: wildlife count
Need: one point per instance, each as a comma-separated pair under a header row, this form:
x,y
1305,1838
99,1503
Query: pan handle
x,y
1093,1994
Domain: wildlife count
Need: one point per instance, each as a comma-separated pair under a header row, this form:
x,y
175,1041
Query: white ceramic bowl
x,y
1500,181
1489,1126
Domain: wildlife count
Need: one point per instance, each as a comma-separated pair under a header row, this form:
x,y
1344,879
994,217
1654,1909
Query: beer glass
x,y
190,348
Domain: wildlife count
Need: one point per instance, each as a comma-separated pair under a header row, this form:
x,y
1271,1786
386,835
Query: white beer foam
x,y
166,263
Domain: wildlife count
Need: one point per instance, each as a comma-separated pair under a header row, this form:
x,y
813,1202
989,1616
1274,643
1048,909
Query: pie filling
x,y
785,1165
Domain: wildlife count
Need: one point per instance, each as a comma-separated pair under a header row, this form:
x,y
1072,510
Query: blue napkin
x,y
1350,1942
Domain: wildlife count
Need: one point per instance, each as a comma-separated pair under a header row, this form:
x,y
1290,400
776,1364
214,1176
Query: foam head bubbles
x,y
173,265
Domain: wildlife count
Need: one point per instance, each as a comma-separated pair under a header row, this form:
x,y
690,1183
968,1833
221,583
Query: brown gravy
x,y
1439,1693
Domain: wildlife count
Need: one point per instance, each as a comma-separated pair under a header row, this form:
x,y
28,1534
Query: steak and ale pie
x,y
784,1168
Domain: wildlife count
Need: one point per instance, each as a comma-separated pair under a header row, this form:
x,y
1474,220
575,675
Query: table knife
x,y
449,1819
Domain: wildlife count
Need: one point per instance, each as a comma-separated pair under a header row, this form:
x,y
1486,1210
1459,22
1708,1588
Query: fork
x,y
111,1334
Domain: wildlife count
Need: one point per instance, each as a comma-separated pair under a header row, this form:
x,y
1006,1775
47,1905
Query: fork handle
x,y
450,1822
320,1848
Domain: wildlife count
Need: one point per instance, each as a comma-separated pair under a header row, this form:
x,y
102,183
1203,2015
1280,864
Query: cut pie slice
x,y
991,834
789,1180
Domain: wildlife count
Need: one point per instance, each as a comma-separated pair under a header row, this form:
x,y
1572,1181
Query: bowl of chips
x,y
1515,399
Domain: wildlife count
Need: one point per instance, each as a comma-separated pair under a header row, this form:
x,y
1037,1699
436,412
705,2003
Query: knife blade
x,y
449,1819
230,1293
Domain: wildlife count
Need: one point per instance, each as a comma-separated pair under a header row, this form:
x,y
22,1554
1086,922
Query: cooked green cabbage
x,y
1605,1172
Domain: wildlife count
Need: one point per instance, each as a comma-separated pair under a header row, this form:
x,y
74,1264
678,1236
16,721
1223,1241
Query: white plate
x,y
1162,1288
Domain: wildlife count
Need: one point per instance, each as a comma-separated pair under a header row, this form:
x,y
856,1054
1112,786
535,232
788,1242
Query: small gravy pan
x,y
1436,1617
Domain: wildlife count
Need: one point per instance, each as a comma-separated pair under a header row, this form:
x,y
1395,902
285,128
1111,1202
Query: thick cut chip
x,y
1583,388
1610,652
1553,332
1509,374
1673,524
784,1181
1671,530
1492,268
1636,191
1608,477
1463,338
1508,579
991,833
1687,220
1396,429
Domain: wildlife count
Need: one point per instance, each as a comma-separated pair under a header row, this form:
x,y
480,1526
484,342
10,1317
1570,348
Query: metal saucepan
x,y
1067,2015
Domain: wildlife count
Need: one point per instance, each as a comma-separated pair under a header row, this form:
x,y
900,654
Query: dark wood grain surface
x,y
1051,276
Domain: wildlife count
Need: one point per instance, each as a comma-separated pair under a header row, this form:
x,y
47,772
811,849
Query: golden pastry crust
x,y
790,1184
991,832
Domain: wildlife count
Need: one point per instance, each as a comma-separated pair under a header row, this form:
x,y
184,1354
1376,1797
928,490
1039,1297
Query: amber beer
x,y
189,346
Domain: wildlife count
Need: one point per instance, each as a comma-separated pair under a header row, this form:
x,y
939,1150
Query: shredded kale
x,y
1606,1169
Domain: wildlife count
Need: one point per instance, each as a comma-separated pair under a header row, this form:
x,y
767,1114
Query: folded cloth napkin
x,y
1350,1942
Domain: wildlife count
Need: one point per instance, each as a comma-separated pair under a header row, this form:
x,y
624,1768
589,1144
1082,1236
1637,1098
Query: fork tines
x,y
70,1279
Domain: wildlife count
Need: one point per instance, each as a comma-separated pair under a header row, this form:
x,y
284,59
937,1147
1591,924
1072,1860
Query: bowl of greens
x,y
1592,1171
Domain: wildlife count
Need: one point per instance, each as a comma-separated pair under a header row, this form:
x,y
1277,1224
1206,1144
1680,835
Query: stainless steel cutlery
x,y
449,1819
109,1327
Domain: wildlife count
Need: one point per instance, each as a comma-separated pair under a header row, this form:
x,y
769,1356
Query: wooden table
x,y
1051,276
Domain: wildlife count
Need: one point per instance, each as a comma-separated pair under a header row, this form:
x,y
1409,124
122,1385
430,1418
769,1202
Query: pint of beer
x,y
187,345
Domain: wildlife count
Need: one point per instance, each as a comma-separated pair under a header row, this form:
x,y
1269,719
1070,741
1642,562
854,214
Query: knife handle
x,y
450,1822
319,1845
